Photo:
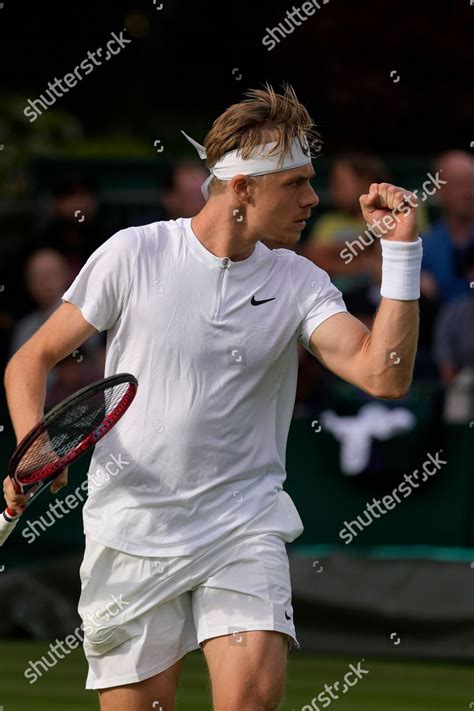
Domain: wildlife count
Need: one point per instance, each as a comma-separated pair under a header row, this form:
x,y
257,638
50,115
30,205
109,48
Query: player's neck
x,y
221,233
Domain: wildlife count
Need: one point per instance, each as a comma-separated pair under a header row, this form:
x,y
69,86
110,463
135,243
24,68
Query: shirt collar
x,y
242,266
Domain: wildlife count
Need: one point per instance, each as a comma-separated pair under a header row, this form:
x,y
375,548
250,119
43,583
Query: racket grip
x,y
8,521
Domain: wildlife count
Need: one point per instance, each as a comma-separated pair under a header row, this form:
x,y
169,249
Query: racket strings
x,y
65,430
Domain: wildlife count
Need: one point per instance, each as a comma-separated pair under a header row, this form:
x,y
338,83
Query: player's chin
x,y
290,232
290,237
296,228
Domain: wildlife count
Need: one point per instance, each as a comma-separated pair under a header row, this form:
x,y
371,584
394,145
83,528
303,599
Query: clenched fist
x,y
391,212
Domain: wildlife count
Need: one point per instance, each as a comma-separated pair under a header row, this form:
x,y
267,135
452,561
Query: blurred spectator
x,y
362,301
454,332
73,227
314,389
74,373
181,194
445,245
350,176
47,276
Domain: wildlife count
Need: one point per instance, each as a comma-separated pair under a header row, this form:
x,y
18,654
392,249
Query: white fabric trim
x,y
401,267
259,163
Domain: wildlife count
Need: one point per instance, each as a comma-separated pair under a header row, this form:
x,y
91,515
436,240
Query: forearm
x,y
391,347
25,386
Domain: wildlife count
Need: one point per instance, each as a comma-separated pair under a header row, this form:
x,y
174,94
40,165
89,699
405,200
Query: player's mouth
x,y
300,223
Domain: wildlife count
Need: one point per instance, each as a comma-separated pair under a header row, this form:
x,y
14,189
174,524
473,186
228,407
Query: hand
x,y
391,212
15,499
59,481
42,451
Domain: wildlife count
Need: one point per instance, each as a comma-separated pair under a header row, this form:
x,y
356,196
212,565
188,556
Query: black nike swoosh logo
x,y
288,617
254,301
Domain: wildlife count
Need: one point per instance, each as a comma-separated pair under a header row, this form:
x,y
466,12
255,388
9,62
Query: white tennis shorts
x,y
141,615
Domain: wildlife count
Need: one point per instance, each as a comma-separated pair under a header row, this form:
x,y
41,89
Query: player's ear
x,y
241,187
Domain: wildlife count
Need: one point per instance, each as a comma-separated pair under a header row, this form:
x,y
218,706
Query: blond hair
x,y
263,117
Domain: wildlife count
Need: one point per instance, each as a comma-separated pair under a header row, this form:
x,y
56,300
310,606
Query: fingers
x,y
385,195
59,482
369,202
15,499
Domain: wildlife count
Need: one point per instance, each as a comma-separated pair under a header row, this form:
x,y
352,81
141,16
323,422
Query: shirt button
x,y
225,263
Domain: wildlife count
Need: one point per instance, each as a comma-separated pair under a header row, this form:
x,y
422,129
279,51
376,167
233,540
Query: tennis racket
x,y
66,432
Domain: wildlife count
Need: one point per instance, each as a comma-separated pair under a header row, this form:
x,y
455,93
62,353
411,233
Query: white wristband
x,y
401,267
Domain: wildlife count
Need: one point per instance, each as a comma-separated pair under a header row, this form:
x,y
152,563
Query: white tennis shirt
x,y
213,345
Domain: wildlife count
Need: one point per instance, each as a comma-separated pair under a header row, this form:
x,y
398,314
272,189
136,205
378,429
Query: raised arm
x,y
381,361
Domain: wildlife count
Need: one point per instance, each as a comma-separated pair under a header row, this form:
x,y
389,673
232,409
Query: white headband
x,y
259,163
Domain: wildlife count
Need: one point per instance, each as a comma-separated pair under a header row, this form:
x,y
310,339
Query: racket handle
x,y
8,521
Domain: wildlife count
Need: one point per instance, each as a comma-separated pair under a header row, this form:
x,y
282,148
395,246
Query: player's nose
x,y
311,199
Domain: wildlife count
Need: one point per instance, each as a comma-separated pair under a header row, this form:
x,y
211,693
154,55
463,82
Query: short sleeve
x,y
101,288
317,298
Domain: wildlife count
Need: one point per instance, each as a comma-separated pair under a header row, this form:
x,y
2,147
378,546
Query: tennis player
x,y
189,532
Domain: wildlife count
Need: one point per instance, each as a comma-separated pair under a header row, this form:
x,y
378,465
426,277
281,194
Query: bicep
x,y
64,331
339,343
